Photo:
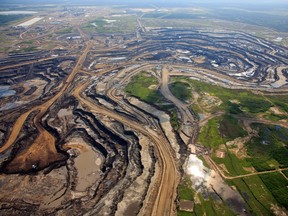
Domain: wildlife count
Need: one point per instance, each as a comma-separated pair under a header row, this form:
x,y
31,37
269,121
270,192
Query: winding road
x,y
168,177
43,108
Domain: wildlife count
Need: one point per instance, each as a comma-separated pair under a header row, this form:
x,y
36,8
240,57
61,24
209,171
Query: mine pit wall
x,y
116,107
136,193
66,102
27,135
259,59
16,76
13,59
85,114
124,178
131,155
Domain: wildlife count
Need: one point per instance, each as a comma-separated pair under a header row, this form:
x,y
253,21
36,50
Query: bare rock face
x,y
26,194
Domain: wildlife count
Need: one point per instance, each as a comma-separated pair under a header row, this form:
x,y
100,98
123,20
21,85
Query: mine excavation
x,y
113,111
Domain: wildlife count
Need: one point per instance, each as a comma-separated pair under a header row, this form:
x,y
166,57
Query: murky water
x,y
87,163
6,91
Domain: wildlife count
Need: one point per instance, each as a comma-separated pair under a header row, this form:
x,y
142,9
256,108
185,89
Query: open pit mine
x,y
73,141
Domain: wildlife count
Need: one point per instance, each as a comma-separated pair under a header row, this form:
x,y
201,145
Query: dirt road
x,y
168,176
185,113
214,166
44,107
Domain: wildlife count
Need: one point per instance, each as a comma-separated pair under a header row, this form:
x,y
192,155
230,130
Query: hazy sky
x,y
155,1
162,2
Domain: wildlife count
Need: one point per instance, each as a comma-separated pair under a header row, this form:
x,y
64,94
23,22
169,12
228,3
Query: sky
x,y
151,1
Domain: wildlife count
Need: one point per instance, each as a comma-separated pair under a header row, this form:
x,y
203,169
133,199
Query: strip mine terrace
x,y
88,145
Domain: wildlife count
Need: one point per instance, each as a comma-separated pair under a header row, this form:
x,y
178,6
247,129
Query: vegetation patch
x,y
173,118
259,190
233,108
139,86
252,195
231,128
210,135
233,164
275,117
26,49
65,31
182,213
248,101
185,190
255,105
212,207
282,105
181,91
220,130
277,184
269,149
285,172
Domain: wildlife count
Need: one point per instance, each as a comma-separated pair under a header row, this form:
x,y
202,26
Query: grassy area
x,y
233,108
26,49
282,105
181,91
256,194
210,207
246,100
98,24
29,42
185,190
210,135
277,184
269,149
219,130
275,117
233,164
142,86
237,101
222,209
247,191
255,104
285,172
173,118
259,190
196,108
65,31
231,128
182,213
